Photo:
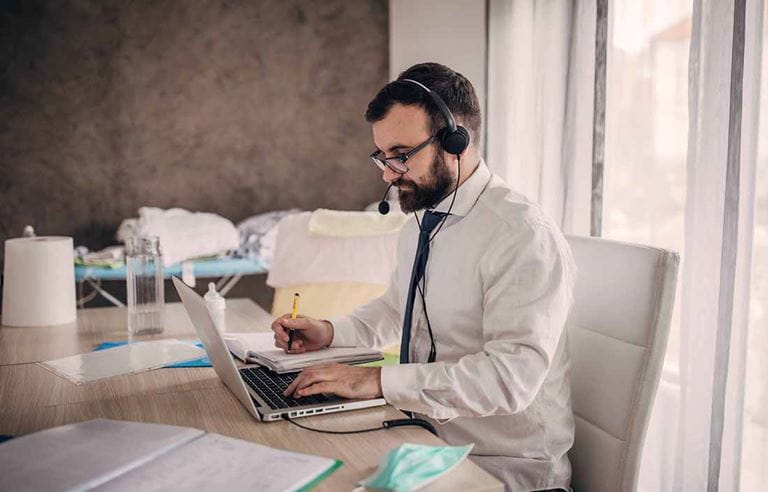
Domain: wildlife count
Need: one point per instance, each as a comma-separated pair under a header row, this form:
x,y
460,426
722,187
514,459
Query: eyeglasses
x,y
398,163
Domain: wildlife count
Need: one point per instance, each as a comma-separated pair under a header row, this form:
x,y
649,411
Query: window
x,y
647,125
644,198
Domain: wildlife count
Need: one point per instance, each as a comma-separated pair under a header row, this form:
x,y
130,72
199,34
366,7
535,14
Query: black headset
x,y
453,139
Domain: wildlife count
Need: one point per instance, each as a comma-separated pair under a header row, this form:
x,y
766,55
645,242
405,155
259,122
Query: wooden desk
x,y
32,398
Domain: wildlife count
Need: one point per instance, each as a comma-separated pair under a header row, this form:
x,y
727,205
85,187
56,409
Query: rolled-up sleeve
x,y
527,282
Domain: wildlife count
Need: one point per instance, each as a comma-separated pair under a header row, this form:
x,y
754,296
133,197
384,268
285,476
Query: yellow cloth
x,y
325,300
343,223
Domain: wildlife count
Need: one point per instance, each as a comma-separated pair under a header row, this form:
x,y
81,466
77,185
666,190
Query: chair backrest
x,y
617,337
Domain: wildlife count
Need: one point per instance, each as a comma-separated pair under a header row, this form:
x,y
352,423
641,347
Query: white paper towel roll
x,y
39,281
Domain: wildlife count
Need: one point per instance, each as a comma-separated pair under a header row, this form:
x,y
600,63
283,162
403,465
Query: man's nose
x,y
389,175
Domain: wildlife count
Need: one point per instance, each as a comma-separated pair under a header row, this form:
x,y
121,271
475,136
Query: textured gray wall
x,y
233,107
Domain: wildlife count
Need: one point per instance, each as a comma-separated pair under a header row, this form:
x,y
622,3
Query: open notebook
x,y
259,348
115,455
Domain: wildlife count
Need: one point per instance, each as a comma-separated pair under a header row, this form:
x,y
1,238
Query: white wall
x,y
451,32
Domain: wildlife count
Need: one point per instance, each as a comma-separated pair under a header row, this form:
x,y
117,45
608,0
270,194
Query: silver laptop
x,y
258,389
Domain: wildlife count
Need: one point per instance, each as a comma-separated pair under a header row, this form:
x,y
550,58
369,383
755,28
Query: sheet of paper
x,y
241,343
216,462
201,362
83,455
131,358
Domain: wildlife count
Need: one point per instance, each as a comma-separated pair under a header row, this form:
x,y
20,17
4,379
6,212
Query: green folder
x,y
327,473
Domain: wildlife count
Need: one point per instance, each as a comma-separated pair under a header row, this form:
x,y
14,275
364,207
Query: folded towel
x,y
184,235
342,223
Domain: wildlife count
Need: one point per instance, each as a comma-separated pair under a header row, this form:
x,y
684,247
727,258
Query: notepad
x,y
116,455
259,348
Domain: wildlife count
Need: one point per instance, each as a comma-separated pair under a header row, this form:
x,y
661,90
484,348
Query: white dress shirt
x,y
499,283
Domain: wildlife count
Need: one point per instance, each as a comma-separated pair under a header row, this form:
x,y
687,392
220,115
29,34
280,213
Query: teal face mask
x,y
411,466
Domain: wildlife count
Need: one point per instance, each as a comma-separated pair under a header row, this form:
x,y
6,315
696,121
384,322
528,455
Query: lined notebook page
x,y
83,455
216,462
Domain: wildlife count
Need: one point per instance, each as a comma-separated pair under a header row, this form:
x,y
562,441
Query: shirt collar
x,y
468,192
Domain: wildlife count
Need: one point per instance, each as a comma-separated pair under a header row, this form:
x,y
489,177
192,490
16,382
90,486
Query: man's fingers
x,y
277,327
302,382
297,347
322,387
284,323
301,323
316,374
291,387
280,343
303,375
307,378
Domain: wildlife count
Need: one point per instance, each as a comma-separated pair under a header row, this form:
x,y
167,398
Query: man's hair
x,y
452,87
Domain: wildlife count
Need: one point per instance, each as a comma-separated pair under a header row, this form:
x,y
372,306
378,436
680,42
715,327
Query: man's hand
x,y
339,379
309,334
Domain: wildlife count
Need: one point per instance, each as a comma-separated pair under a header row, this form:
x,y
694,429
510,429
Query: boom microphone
x,y
383,204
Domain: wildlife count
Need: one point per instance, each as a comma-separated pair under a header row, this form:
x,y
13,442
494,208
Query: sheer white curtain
x,y
698,198
684,157
719,235
540,103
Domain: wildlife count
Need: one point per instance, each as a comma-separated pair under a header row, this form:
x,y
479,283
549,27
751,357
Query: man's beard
x,y
414,197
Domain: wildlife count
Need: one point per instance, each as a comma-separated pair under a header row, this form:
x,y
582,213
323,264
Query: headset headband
x,y
447,115
454,139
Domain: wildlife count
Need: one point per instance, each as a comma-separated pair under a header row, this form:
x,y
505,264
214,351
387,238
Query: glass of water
x,y
144,277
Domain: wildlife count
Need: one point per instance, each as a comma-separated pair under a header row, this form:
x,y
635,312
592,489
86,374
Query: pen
x,y
293,316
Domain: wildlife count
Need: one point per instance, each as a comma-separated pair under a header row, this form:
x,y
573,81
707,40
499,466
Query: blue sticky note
x,y
201,362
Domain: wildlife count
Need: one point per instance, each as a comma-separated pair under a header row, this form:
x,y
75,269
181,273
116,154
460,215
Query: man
x,y
489,309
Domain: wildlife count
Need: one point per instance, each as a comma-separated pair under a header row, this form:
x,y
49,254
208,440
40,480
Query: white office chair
x,y
617,336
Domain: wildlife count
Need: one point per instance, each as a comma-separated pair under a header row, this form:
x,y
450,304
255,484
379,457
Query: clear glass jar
x,y
145,287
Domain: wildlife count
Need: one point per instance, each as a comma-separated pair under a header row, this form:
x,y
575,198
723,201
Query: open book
x,y
259,348
115,455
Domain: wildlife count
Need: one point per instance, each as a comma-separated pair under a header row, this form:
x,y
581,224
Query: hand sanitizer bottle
x,y
216,306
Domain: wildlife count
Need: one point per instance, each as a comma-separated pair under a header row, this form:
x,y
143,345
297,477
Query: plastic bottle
x,y
217,306
144,276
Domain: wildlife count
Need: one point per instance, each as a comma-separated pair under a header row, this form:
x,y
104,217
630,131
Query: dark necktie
x,y
428,223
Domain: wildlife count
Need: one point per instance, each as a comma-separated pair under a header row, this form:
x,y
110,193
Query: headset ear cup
x,y
455,142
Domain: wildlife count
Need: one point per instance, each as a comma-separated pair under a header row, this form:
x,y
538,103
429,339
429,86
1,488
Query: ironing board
x,y
230,269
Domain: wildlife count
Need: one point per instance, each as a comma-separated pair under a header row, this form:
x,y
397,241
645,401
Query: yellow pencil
x,y
294,313
295,305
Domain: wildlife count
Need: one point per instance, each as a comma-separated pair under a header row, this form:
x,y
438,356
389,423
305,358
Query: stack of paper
x,y
259,348
114,455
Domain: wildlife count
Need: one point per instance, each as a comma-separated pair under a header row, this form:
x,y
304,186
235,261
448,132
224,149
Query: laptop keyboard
x,y
270,386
